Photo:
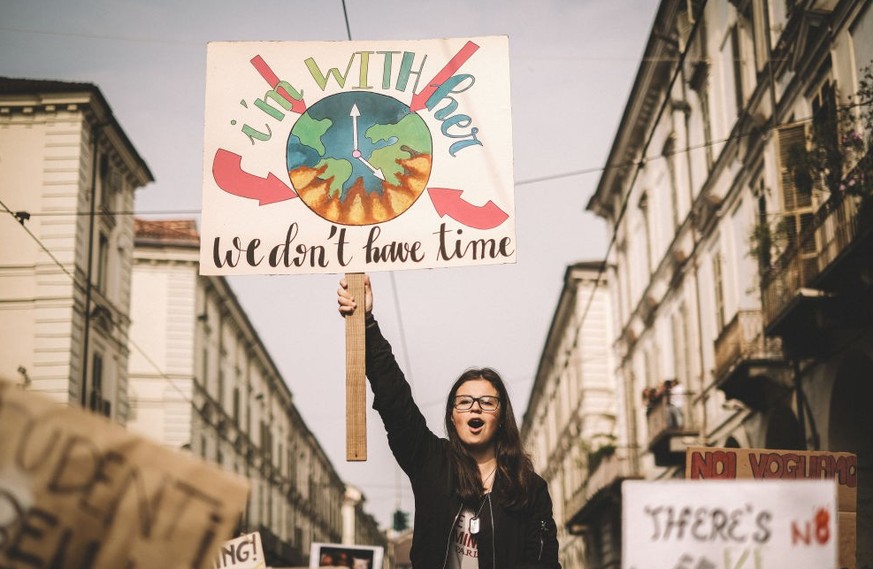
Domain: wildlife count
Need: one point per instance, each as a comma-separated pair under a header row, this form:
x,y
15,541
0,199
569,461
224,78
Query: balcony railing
x,y
743,340
749,366
277,550
833,228
670,420
610,470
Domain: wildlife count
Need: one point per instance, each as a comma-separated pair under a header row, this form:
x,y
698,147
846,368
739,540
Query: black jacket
x,y
507,539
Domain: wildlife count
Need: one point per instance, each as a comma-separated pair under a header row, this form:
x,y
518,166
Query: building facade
x,y
572,417
727,242
738,195
201,379
136,334
66,170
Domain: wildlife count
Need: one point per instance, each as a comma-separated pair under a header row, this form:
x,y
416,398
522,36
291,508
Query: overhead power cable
x,y
82,287
626,200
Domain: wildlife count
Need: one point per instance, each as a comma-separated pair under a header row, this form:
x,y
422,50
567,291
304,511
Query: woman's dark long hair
x,y
515,474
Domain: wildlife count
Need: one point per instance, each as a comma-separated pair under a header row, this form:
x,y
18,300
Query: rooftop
x,y
170,231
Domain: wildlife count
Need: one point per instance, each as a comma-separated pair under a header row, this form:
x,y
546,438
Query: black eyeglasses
x,y
488,403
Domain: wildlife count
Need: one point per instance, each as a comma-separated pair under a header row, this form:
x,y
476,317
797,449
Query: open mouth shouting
x,y
476,430
475,424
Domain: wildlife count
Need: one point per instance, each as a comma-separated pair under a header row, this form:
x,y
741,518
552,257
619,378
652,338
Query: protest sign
x,y
359,156
725,463
729,524
354,157
77,490
766,464
342,555
244,552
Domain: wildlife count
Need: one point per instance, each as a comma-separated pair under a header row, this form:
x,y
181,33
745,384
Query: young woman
x,y
478,502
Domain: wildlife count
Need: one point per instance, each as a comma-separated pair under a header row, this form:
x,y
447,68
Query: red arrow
x,y
455,63
297,105
449,202
230,177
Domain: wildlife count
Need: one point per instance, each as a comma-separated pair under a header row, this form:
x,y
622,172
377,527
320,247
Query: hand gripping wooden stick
x,y
356,394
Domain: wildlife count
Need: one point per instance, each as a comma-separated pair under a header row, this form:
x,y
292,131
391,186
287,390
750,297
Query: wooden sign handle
x,y
356,385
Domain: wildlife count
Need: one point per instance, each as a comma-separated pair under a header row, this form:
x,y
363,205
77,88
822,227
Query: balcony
x,y
813,291
671,426
277,551
593,499
749,366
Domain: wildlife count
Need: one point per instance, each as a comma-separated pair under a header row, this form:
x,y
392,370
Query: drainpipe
x,y
695,267
633,440
89,269
704,395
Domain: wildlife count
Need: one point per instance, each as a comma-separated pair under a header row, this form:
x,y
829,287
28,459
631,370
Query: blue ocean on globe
x,y
324,135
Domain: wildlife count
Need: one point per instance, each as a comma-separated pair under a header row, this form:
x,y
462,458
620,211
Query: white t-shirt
x,y
464,548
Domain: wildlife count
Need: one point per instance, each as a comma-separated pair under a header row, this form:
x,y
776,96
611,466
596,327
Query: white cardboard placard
x,y
243,552
729,524
358,156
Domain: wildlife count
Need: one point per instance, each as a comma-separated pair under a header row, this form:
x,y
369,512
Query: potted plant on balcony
x,y
857,143
599,448
835,158
836,155
767,241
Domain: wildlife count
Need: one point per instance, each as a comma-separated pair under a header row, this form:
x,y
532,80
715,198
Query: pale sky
x,y
572,64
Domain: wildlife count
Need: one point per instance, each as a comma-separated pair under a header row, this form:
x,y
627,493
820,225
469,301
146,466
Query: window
x,y
737,56
97,402
266,441
644,210
204,365
650,363
763,234
703,94
681,356
761,35
102,263
825,133
797,190
669,154
236,400
698,80
750,20
104,182
718,283
220,394
795,185
96,380
726,65
862,37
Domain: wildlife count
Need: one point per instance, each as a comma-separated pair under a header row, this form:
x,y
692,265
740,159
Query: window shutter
x,y
792,135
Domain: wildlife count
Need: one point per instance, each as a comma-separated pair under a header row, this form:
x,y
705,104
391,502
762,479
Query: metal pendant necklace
x,y
474,521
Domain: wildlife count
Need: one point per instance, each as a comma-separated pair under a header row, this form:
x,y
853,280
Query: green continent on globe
x,y
414,135
339,171
310,131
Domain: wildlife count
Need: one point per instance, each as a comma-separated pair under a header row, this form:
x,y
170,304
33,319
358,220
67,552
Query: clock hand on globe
x,y
376,171
355,113
356,152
